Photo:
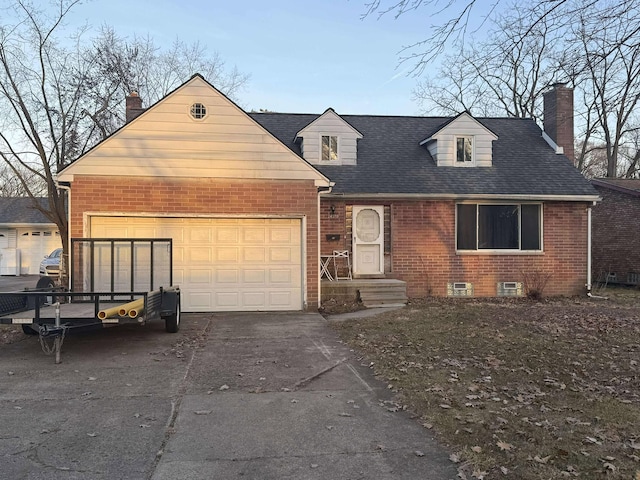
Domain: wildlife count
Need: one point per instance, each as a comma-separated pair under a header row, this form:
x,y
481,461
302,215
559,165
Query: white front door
x,y
368,240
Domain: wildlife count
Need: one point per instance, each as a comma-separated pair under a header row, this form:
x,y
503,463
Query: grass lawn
x,y
517,388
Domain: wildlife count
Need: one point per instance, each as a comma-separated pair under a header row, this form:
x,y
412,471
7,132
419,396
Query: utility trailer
x,y
113,282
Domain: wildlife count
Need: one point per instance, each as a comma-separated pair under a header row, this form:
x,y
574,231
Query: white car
x,y
50,266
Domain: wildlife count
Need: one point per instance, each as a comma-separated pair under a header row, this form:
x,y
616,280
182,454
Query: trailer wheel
x,y
172,322
29,330
45,283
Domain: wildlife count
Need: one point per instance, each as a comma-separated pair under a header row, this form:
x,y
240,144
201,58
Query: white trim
x,y
558,149
338,159
471,163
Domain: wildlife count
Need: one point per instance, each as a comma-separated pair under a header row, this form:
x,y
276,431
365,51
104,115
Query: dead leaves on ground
x,y
551,387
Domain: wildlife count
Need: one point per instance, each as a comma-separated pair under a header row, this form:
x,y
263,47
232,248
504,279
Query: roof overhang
x,y
464,197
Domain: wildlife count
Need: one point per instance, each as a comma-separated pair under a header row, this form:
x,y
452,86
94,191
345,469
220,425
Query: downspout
x,y
589,256
329,189
68,189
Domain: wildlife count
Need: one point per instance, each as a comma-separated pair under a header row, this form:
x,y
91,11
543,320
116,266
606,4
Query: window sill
x,y
500,252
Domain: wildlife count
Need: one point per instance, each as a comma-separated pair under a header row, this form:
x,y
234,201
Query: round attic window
x,y
198,111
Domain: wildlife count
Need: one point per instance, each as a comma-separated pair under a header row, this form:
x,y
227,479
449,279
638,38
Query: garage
x,y
34,245
224,264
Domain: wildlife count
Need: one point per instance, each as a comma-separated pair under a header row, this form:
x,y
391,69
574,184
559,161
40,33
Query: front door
x,y
368,240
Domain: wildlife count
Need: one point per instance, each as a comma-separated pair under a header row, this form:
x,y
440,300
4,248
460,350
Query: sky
x,y
302,56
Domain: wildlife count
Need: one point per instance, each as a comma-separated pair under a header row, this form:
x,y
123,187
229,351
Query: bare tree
x,y
596,51
59,95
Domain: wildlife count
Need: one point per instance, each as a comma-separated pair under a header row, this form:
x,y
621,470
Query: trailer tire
x,y
172,322
45,283
29,330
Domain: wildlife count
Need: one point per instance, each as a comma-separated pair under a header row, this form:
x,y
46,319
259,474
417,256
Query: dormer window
x,y
329,150
464,150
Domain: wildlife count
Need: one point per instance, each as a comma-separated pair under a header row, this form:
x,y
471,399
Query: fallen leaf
x,y
224,387
504,446
202,412
504,470
476,449
454,457
445,406
418,453
478,474
539,459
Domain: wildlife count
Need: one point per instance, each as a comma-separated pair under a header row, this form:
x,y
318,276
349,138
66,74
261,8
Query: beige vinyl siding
x,y
167,141
330,123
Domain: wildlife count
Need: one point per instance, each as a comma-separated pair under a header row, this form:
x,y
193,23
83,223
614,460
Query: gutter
x,y
588,285
475,196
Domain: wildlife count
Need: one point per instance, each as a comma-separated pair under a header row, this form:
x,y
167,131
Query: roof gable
x,y
167,141
329,139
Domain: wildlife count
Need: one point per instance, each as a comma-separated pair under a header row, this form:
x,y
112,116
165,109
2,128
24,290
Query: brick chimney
x,y
133,106
558,117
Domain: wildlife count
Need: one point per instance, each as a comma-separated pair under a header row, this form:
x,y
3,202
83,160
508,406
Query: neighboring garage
x,y
225,264
26,236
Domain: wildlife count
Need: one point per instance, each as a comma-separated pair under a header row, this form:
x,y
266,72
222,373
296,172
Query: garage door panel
x,y
199,254
228,300
227,254
224,276
282,255
254,255
284,276
225,264
227,235
253,276
281,236
200,235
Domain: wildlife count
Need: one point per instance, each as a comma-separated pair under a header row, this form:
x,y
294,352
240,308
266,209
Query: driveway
x,y
261,396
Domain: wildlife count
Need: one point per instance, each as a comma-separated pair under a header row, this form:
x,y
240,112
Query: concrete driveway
x,y
264,396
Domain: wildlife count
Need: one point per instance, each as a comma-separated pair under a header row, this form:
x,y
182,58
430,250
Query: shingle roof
x,y
20,210
630,186
391,160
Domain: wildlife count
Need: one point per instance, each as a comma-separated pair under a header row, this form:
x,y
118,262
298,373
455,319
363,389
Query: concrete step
x,y
381,295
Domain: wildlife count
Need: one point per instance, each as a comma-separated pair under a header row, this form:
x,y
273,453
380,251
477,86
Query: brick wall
x,y
202,196
423,252
615,241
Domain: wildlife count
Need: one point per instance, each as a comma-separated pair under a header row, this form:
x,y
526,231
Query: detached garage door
x,y
224,264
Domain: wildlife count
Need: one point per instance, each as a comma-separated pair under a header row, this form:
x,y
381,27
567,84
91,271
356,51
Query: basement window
x,y
198,111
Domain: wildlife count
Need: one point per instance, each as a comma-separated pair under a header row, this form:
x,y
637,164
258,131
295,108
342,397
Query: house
x,y
26,236
450,206
616,234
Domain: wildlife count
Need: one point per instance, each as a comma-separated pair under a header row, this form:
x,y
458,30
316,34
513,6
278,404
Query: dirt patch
x,y
10,334
516,388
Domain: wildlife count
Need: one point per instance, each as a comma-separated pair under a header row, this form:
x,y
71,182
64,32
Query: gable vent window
x,y
198,111
464,150
329,148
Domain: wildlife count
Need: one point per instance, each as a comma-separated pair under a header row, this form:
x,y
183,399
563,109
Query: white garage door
x,y
34,245
224,264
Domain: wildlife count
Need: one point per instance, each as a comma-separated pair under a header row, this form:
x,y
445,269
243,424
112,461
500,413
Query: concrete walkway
x,y
277,396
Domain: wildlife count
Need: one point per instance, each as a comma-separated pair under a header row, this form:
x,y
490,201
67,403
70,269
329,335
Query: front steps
x,y
373,293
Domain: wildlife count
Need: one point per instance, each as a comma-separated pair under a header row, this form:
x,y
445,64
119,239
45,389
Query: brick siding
x,y
423,252
615,241
131,195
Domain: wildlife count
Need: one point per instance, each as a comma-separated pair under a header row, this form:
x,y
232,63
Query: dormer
x,y
329,140
461,142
